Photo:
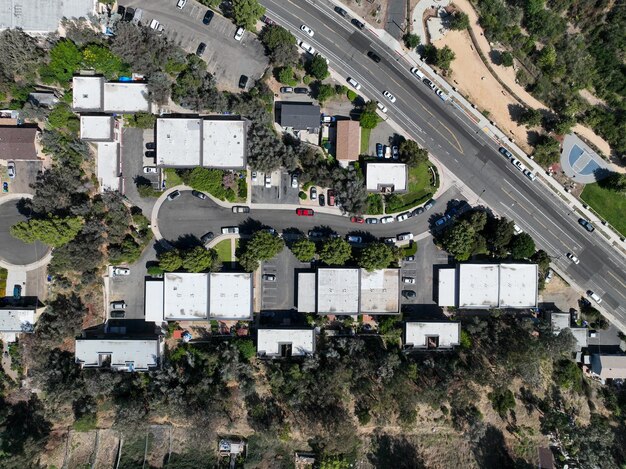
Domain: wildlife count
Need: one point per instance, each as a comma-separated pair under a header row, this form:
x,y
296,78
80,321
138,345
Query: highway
x,y
462,148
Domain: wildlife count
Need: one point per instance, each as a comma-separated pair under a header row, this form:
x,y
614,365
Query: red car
x,y
331,197
357,220
304,212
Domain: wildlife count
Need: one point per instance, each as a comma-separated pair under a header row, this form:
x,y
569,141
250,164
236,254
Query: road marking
x,y
618,281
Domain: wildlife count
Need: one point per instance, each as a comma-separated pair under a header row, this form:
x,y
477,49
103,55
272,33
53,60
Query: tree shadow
x,y
397,452
516,111
490,450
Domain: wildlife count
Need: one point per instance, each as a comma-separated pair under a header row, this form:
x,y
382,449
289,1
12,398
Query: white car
x,y
389,96
180,4
410,280
239,33
381,107
573,258
230,230
386,219
120,271
294,181
307,47
11,169
268,181
415,71
307,30
355,84
549,276
403,216
518,164
118,305
517,229
405,236
154,24
390,240
150,169
594,297
254,176
529,174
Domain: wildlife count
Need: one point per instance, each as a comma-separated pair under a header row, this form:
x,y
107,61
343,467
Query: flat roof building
x,y
485,286
179,142
42,16
338,291
154,301
14,321
275,343
230,295
18,143
307,282
380,291
88,93
97,128
298,116
432,335
108,169
386,177
608,366
186,296
348,141
224,144
122,354
91,93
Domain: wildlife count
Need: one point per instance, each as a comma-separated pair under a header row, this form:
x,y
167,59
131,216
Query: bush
x,y
302,195
352,95
246,349
286,76
502,400
411,41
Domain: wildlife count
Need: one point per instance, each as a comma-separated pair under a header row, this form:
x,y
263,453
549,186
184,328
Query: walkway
x,y
418,24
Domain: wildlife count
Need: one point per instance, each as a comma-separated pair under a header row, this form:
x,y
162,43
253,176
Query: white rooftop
x,y
96,128
432,334
380,291
186,296
447,287
301,341
87,93
559,321
306,292
609,366
230,295
126,97
153,304
518,286
224,144
108,166
179,141
124,354
478,285
386,174
337,291
41,16
17,320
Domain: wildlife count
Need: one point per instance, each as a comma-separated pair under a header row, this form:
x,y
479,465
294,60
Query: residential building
x,y
97,127
281,343
487,286
211,142
91,93
386,177
347,142
45,99
230,296
432,335
608,366
561,321
14,321
18,143
300,117
42,16
108,166
119,353
349,291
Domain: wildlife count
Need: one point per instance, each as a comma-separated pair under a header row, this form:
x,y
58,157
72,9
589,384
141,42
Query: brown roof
x,y
348,144
18,143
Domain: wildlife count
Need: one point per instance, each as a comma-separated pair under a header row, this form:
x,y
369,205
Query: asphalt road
x,y
12,249
462,148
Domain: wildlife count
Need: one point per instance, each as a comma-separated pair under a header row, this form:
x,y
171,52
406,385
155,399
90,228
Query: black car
x,y
586,224
341,11
173,195
243,82
201,48
357,23
117,314
151,146
372,55
208,16
322,200
408,294
199,195
121,11
301,90
417,211
150,154
207,237
130,13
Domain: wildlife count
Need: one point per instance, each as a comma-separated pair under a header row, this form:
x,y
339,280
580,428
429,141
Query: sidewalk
x,y
412,59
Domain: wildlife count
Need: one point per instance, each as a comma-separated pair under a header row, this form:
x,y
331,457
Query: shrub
x,y
352,95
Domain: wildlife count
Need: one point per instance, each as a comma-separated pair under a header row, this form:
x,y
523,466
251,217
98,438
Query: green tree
x,y
501,232
324,92
62,118
411,41
141,120
171,261
65,59
286,76
54,231
445,56
103,61
376,256
318,67
336,251
542,259
459,240
369,118
262,246
614,182
502,400
199,259
459,21
567,375
281,45
530,118
522,246
506,59
430,54
247,12
547,58
547,151
303,249
564,124
412,154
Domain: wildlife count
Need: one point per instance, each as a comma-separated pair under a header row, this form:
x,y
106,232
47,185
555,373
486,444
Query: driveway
x,y
13,250
133,160
278,295
396,18
281,191
227,59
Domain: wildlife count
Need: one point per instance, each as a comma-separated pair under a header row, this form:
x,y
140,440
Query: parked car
x,y
390,240
286,89
321,200
118,305
253,176
357,220
442,221
301,90
208,16
17,292
387,152
11,169
313,193
268,181
239,33
150,154
381,107
572,258
120,271
518,164
294,181
395,153
150,169
5,186
549,276
199,195
150,146
389,96
405,236
355,84
180,4
341,11
374,56
410,280
408,294
307,30
201,48
379,150
129,15
230,230
357,23
409,258
354,239
307,47
371,221
207,237
586,224
529,174
594,296
429,204
418,211
304,212
117,314
403,216
269,277
505,152
388,219
267,20
517,229
173,195
331,197
240,209
416,71
243,82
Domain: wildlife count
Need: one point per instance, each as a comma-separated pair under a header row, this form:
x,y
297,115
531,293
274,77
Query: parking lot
x,y
185,28
25,175
280,191
279,294
133,153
